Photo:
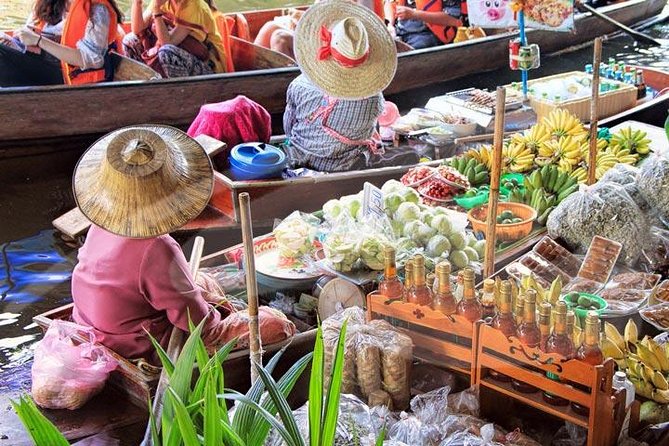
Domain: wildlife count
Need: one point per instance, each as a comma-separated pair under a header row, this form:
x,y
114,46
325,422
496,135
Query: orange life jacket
x,y
374,5
74,30
224,31
444,33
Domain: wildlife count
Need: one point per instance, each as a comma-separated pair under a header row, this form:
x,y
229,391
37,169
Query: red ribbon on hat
x,y
326,51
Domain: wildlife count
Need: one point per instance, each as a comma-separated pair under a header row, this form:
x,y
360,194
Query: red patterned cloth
x,y
233,122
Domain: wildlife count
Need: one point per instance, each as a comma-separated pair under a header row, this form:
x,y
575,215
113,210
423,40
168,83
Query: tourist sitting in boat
x,y
333,106
177,38
428,23
277,34
136,185
64,41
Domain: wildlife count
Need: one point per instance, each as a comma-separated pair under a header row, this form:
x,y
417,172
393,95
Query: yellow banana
x,y
648,357
659,381
631,332
555,290
614,335
611,350
659,354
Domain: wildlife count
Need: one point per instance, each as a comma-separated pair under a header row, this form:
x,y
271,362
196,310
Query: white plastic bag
x,y
67,373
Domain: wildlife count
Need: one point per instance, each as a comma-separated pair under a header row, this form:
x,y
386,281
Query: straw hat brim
x,y
363,81
149,205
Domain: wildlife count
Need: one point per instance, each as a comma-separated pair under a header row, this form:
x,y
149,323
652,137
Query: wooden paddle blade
x,y
127,69
638,36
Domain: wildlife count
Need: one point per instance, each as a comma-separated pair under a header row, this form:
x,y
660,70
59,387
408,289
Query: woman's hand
x,y
27,36
405,13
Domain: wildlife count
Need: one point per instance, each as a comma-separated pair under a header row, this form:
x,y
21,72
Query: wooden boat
x,y
74,115
277,198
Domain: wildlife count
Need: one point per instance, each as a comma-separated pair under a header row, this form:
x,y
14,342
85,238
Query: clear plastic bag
x,y
410,430
570,435
295,234
341,245
604,209
626,175
67,373
653,183
230,277
465,402
431,407
466,438
655,253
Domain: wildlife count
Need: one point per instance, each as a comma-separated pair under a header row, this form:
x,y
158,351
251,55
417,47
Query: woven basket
x,y
610,102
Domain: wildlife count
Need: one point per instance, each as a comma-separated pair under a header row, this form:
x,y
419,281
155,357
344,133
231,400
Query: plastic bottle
x,y
620,381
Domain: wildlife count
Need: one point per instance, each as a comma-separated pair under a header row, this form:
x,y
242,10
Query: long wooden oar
x,y
638,36
176,343
251,284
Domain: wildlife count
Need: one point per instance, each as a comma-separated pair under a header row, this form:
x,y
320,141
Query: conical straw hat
x,y
350,28
143,181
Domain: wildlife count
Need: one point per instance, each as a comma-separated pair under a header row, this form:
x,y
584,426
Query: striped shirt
x,y
309,145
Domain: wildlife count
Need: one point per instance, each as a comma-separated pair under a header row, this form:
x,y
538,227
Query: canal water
x,y
36,265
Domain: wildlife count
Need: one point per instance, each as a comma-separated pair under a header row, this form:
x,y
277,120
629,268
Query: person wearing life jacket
x,y
347,59
428,23
65,41
277,34
177,38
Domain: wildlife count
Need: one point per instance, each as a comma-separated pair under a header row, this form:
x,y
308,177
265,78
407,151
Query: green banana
x,y
553,177
536,179
569,183
565,193
561,178
543,218
481,177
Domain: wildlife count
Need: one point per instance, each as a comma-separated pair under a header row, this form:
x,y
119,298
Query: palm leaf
x,y
41,430
201,354
154,427
186,426
316,391
247,402
260,428
212,425
382,437
334,392
215,361
282,406
165,360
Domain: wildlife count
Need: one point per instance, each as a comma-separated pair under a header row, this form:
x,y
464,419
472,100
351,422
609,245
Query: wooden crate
x,y
590,386
438,339
610,102
138,384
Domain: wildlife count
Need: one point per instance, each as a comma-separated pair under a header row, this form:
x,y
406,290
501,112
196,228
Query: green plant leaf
x,y
382,437
260,428
276,424
41,430
201,354
212,425
180,381
282,406
244,415
165,360
215,362
154,427
316,391
186,426
334,392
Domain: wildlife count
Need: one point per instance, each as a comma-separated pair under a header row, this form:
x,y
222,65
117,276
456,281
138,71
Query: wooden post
x,y
592,154
251,284
491,222
176,343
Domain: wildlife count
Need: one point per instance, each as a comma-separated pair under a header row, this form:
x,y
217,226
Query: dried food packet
x,y
559,256
600,259
396,360
368,364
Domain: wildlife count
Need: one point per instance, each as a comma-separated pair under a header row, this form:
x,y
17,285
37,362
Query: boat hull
x,y
75,115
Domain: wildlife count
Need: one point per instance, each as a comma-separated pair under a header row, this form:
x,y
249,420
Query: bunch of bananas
x,y
544,189
532,138
552,295
565,152
607,158
517,157
561,123
645,361
633,140
476,172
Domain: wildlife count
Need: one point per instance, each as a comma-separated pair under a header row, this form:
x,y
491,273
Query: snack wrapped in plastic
x,y
466,438
396,359
465,402
431,407
331,328
371,250
295,234
341,248
655,253
65,372
604,209
368,364
653,182
410,430
625,175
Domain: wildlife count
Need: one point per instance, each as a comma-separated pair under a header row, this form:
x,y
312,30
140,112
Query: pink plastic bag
x,y
67,373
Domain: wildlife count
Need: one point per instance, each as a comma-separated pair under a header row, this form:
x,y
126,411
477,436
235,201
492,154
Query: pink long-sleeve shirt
x,y
122,287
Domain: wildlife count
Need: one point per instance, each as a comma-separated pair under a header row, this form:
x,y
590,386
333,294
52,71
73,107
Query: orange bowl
x,y
509,232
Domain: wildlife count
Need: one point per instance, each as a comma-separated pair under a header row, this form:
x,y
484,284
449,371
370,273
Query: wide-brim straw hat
x,y
362,81
143,181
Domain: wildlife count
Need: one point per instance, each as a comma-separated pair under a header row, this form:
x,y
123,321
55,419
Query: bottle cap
x,y
531,296
489,285
468,274
418,261
389,251
444,267
545,309
561,308
620,375
429,279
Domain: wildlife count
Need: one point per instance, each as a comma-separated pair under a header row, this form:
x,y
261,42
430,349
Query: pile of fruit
x,y
579,301
644,360
507,217
475,172
436,185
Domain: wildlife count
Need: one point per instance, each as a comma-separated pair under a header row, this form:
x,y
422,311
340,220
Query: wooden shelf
x,y
536,400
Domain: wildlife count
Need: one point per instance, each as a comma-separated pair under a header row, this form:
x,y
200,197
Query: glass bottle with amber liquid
x,y
469,306
559,342
488,299
390,285
519,309
459,284
419,293
589,351
544,323
443,299
408,279
528,333
504,321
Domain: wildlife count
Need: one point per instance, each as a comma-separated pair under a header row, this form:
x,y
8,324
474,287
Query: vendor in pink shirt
x,y
136,185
